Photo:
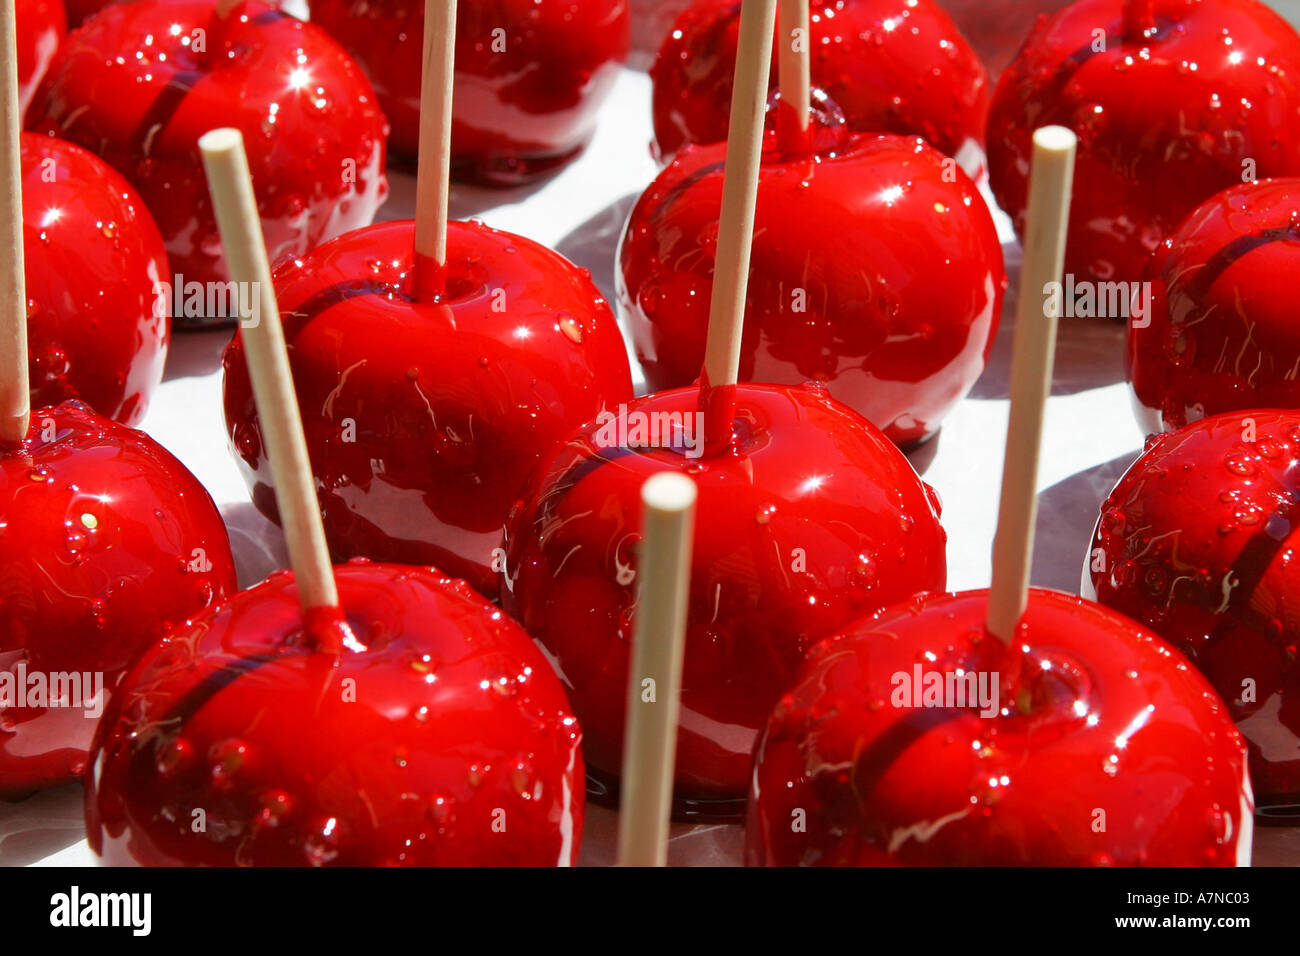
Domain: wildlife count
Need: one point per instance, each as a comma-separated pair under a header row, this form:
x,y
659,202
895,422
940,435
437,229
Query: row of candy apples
x,y
422,448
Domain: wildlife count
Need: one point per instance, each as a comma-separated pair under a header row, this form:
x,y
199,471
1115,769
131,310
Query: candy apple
x,y
1196,542
424,418
895,66
1221,335
896,316
1173,101
439,736
808,518
530,76
140,82
918,738
106,542
97,327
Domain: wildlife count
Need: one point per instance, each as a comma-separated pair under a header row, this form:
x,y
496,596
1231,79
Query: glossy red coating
x,y
893,66
896,313
530,76
423,419
93,260
1222,334
133,86
1197,542
811,520
1210,97
40,25
1104,747
106,541
439,736
79,11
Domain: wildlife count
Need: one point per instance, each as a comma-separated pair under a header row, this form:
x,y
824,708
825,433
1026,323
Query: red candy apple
x,y
1177,101
94,261
439,736
424,418
106,541
1087,741
140,82
1222,332
41,25
1197,542
810,519
896,66
896,314
530,76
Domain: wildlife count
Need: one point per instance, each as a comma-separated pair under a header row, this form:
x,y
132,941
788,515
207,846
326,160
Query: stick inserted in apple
x,y
436,364
367,715
1009,726
531,77
893,66
808,518
106,540
895,314
655,678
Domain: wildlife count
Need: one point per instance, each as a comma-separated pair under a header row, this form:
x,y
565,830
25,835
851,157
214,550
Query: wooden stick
x,y
650,739
15,389
795,61
739,194
268,366
433,173
1050,184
